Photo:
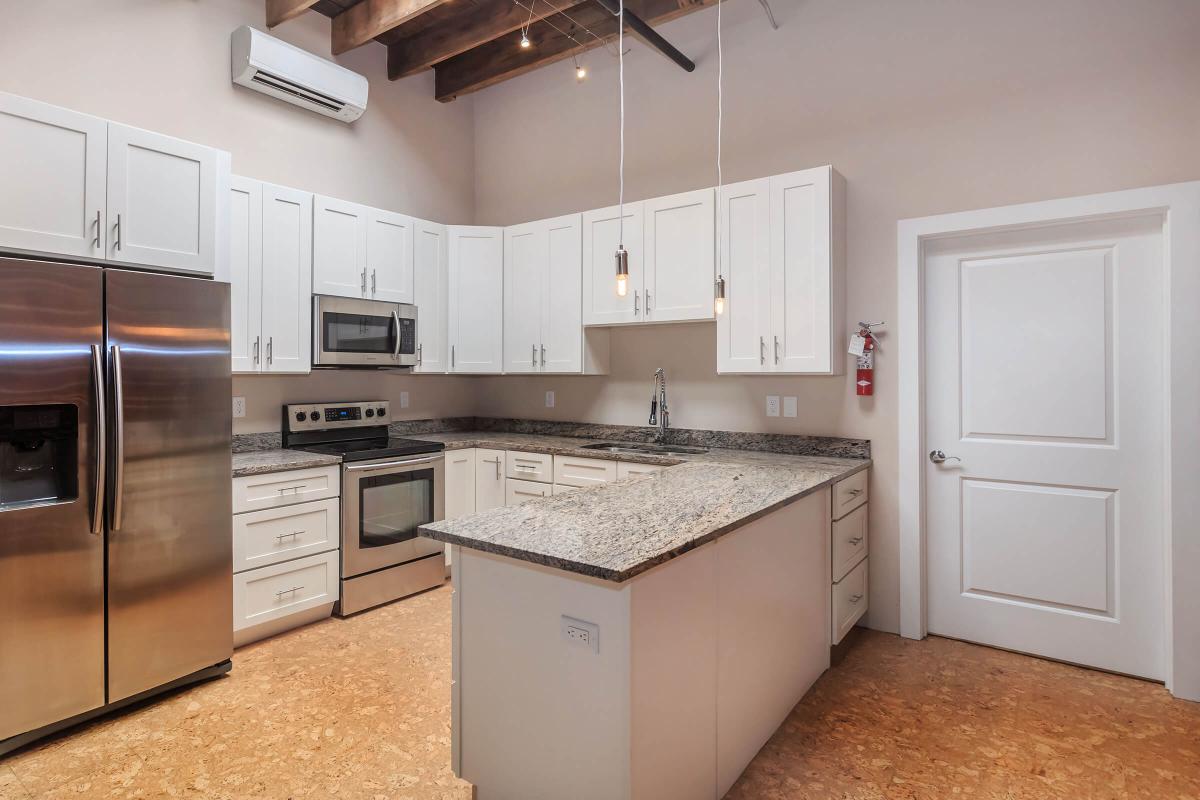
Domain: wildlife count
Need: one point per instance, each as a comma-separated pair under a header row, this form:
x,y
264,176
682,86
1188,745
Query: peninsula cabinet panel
x,y
476,299
53,168
431,284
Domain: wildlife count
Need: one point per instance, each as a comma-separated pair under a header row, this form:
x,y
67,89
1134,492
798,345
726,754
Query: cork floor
x,y
360,709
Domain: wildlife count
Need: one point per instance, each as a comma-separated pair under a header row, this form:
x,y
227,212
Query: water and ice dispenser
x,y
38,455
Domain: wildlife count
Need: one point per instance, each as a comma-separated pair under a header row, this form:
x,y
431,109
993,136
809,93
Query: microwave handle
x,y
396,318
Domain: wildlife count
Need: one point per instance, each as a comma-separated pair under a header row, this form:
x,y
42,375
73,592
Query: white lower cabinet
x,y
848,554
489,479
286,550
460,483
626,469
563,489
518,491
849,601
572,471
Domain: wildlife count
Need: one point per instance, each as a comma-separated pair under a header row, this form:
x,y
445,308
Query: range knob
x,y
370,412
300,416
381,411
314,416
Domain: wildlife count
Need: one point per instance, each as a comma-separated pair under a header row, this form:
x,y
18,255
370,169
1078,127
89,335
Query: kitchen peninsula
x,y
640,638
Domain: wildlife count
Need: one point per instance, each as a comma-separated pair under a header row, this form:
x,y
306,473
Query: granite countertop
x,y
258,462
618,530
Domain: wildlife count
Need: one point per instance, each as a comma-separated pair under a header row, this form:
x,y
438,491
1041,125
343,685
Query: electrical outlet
x,y
772,405
404,400
789,406
549,399
580,633
239,407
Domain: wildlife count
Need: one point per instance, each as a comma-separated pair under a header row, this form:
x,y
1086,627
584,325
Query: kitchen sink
x,y
646,448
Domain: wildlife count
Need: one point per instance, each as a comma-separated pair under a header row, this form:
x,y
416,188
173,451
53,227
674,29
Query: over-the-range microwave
x,y
363,333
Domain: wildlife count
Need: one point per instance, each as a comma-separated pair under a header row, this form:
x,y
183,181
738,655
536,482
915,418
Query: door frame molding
x,y
1179,206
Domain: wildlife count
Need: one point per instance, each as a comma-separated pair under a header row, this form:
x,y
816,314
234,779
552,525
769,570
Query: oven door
x,y
363,333
383,504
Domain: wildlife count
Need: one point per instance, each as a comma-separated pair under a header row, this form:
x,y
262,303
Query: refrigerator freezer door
x,y
51,564
170,575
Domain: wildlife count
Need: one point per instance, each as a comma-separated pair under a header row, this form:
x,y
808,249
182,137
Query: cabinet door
x,y
245,274
802,289
460,483
430,287
390,256
744,330
339,248
476,299
287,276
525,257
52,170
679,257
162,200
517,492
601,235
562,319
489,479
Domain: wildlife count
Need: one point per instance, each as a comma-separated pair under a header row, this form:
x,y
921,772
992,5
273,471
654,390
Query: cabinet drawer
x,y
849,600
282,534
262,595
529,466
849,494
625,469
275,489
517,492
563,489
849,541
583,471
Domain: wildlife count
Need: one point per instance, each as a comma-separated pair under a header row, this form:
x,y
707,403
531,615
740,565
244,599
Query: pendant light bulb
x,y
719,303
580,72
622,261
525,43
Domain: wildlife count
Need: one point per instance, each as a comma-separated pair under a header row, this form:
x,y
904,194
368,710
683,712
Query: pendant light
x,y
719,288
622,255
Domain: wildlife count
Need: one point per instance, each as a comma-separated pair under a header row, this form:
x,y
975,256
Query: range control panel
x,y
332,416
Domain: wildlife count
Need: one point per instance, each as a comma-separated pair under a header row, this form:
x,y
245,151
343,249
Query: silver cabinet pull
x,y
101,440
420,354
647,301
762,350
856,540
118,228
635,302
533,354
270,349
495,461
292,591
280,537
452,356
257,339
99,230
854,492
543,355
118,500
363,281
776,338
855,598
372,281
938,457
293,489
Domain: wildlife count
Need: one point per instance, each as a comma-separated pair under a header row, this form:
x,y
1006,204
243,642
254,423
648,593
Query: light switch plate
x,y
789,406
404,399
772,405
549,399
239,407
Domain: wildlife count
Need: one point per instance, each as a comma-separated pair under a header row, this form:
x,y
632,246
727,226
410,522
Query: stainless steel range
x,y
390,487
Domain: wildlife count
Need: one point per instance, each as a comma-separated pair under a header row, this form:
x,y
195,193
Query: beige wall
x,y
925,106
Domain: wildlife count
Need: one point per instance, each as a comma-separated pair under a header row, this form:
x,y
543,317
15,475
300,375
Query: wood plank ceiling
x,y
473,44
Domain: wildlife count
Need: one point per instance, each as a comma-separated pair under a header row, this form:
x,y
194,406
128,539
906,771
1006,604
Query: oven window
x,y
393,506
357,333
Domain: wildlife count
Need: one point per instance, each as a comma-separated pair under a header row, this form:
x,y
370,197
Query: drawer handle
x,y
855,598
292,590
855,492
526,467
856,540
280,537
293,489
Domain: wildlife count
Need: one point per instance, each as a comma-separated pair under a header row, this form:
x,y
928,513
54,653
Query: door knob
x,y
938,457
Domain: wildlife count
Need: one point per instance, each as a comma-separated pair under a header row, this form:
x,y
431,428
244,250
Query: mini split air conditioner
x,y
274,67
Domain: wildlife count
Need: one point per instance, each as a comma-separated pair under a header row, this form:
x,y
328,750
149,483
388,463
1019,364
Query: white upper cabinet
x,y
567,347
286,278
525,265
162,200
271,276
476,299
679,257
431,266
52,170
601,234
389,256
339,248
782,256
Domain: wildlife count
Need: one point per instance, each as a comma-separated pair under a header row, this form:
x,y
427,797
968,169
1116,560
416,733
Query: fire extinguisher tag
x,y
858,344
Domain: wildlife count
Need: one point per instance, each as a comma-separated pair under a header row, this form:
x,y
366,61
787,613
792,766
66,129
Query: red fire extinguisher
x,y
862,345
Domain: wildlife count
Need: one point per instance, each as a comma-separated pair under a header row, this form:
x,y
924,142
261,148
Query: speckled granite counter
x,y
618,530
258,462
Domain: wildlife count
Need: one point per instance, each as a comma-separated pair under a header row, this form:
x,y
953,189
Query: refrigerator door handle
x,y
118,440
101,441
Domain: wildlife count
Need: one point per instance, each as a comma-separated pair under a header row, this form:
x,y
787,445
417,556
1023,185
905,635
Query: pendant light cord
x,y
720,125
621,72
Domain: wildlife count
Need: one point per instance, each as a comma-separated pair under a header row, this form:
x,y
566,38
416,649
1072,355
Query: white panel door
x,y
162,201
680,257
52,170
431,267
562,320
602,232
390,256
460,483
476,299
286,278
489,479
525,263
245,278
801,275
745,239
339,248
1044,367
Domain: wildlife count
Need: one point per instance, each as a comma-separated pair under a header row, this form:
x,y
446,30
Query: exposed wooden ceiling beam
x,y
361,23
485,21
280,11
502,59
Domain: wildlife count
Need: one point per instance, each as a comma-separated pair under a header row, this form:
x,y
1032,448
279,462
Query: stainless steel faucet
x,y
659,415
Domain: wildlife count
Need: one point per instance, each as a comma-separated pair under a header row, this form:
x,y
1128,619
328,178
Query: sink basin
x,y
646,448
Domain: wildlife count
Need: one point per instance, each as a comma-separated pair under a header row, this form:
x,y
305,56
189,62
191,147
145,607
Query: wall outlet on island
x,y
239,407
580,633
772,405
549,399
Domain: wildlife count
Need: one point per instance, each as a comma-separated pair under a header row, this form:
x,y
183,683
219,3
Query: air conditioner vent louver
x,y
297,91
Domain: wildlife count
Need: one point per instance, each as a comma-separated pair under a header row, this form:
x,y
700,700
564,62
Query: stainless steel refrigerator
x,y
115,490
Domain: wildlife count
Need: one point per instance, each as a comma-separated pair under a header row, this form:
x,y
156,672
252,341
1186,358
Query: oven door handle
x,y
391,464
396,317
